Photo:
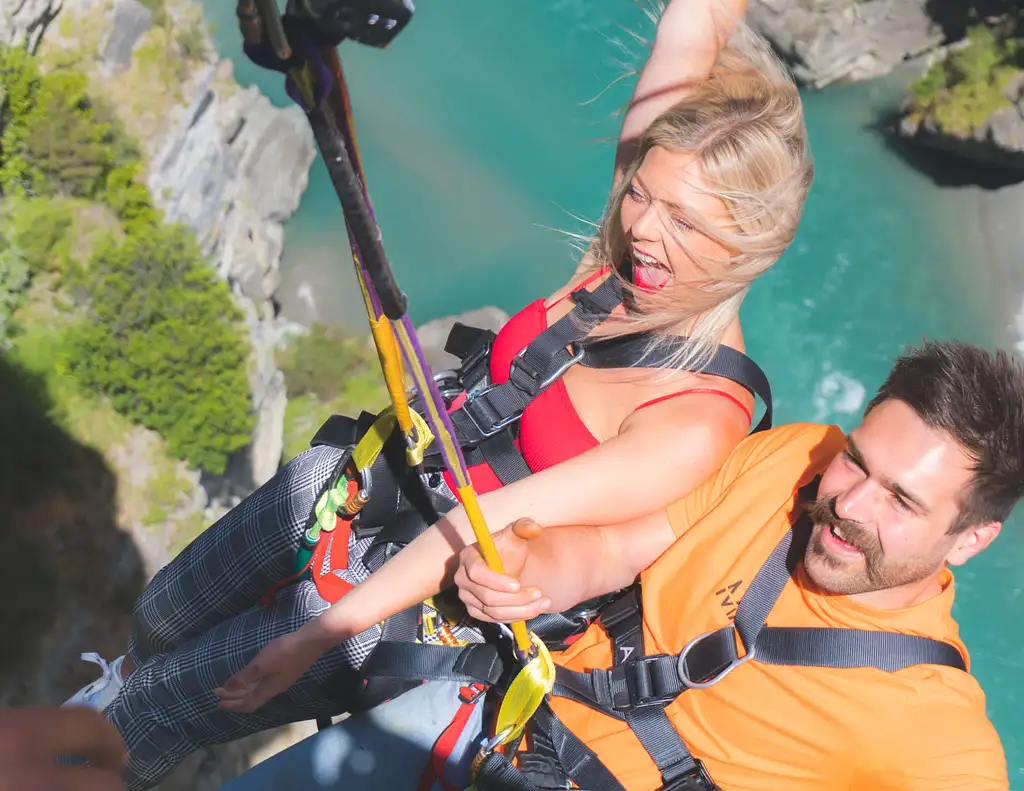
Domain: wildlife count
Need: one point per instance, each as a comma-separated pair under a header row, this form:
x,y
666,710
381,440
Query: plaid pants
x,y
198,623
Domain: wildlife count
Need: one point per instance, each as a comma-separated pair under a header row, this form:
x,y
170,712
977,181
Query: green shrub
x,y
19,82
40,230
963,90
320,362
130,199
164,342
13,282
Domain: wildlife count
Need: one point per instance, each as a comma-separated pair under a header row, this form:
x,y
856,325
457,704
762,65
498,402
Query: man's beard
x,y
871,571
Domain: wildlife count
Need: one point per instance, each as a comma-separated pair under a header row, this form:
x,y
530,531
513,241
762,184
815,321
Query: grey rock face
x,y
23,22
129,19
234,169
827,41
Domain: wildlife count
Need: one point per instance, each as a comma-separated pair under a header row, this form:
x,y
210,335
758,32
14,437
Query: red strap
x,y
704,390
442,750
329,585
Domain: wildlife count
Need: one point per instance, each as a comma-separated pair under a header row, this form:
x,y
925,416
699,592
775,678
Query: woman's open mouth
x,y
648,272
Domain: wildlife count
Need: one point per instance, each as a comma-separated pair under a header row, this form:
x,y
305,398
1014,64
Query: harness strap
x,y
638,350
579,762
638,690
623,620
442,749
679,769
536,368
504,458
472,345
401,660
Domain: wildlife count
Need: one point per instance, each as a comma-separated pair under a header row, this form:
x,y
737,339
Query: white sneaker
x,y
100,692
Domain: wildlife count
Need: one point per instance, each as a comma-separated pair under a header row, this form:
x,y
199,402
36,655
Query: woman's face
x,y
672,181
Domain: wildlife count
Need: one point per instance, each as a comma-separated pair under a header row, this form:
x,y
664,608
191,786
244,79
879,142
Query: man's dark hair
x,y
978,398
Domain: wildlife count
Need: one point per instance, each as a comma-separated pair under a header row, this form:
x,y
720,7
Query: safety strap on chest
x,y
487,424
482,424
638,690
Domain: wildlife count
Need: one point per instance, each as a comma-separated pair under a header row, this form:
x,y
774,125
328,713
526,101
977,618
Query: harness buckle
x,y
449,384
533,376
478,353
640,687
494,426
471,693
732,664
697,779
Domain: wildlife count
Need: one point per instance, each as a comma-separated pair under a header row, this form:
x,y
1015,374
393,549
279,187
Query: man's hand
x,y
494,597
32,739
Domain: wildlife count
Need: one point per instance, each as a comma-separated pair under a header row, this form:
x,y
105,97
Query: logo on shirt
x,y
729,598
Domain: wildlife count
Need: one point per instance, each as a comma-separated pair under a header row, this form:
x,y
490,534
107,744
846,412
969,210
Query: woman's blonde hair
x,y
745,127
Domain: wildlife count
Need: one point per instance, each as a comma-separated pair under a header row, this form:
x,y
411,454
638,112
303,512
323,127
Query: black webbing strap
x,y
537,367
401,628
478,662
578,762
631,351
400,530
501,454
638,690
849,648
623,621
540,764
472,345
679,769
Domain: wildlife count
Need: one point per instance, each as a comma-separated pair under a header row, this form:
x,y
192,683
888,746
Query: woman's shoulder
x,y
587,275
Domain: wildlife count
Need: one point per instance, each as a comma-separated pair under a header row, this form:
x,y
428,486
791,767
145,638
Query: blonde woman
x,y
711,176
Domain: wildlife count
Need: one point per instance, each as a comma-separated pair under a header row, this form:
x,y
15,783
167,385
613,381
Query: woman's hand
x,y
493,597
279,665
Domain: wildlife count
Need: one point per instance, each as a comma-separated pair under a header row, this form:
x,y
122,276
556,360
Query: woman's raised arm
x,y
689,37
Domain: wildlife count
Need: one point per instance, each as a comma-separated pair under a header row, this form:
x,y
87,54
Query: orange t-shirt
x,y
767,727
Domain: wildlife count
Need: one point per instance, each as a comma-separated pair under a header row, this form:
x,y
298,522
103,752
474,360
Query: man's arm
x,y
552,569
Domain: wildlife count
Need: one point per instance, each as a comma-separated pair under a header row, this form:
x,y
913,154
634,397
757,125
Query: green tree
x,y
130,199
164,342
13,282
40,230
67,150
19,81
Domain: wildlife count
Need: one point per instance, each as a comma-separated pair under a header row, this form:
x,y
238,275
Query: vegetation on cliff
x,y
962,90
143,319
327,371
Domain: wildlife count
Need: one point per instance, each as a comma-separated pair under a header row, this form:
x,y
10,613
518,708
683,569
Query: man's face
x,y
885,506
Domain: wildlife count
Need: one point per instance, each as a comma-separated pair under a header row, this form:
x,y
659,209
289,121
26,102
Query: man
x,y
31,740
924,483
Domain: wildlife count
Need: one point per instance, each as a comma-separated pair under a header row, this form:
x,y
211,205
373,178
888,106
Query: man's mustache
x,y
823,513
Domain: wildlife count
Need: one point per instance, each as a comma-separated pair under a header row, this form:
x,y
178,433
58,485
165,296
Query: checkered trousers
x,y
198,623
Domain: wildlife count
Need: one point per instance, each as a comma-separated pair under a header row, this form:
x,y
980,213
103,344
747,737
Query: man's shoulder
x,y
795,445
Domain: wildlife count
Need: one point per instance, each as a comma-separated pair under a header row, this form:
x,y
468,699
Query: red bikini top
x,y
550,430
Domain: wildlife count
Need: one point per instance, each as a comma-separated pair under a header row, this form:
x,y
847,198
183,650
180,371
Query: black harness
x,y
405,501
638,688
486,426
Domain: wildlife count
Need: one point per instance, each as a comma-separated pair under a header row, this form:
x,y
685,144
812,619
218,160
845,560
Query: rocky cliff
x,y
221,159
234,168
23,22
970,101
828,41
